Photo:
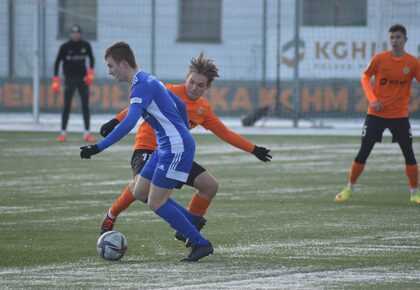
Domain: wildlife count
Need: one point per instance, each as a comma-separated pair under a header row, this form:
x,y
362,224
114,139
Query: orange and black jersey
x,y
199,112
393,77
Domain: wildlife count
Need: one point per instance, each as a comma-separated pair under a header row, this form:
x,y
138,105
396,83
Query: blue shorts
x,y
166,169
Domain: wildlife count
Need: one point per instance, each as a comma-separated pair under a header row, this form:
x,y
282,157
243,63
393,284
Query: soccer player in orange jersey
x,y
202,72
393,71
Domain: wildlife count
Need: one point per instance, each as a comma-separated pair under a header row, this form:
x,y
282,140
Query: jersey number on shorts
x,y
364,131
145,156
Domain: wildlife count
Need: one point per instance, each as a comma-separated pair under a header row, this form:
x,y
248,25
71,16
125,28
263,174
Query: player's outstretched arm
x,y
87,151
116,135
262,153
220,130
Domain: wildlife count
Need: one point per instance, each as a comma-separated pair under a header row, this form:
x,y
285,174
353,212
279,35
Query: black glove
x,y
88,151
108,127
262,153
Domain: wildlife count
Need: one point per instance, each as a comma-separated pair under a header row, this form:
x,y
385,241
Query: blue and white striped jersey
x,y
163,110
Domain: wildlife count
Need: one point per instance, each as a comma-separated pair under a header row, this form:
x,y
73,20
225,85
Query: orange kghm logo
x,y
288,49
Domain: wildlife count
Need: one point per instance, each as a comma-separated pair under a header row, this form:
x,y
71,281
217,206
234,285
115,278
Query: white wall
x,y
343,52
4,34
239,55
23,38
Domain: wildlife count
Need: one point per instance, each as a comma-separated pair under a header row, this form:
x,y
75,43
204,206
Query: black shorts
x,y
196,170
374,127
139,159
141,156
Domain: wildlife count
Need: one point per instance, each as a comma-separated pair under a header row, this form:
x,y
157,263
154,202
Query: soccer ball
x,y
112,245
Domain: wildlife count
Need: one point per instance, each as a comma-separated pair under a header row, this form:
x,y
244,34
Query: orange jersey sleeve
x,y
367,88
393,78
121,115
201,113
418,71
216,126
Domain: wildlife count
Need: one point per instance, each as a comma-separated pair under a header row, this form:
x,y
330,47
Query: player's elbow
x,y
364,77
127,125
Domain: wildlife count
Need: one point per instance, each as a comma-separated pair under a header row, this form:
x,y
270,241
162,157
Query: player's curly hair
x,y
204,66
120,51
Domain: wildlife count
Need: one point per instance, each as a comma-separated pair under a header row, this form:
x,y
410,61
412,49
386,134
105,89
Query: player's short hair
x,y
204,66
120,51
398,27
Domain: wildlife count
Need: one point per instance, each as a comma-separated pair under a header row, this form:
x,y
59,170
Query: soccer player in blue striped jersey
x,y
173,159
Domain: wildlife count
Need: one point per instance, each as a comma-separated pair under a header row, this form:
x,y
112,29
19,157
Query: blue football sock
x,y
191,217
179,222
182,209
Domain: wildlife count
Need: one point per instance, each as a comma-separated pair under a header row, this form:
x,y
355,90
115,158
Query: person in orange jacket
x,y
202,72
73,54
393,70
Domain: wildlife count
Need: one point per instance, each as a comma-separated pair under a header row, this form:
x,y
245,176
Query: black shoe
x,y
107,224
198,252
199,223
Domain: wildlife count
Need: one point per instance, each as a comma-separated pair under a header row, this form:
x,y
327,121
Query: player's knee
x,y
142,199
410,160
154,205
209,190
141,196
85,108
361,159
213,187
363,154
407,150
139,193
131,186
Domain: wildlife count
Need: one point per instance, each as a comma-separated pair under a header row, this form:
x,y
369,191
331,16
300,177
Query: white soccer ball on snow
x,y
112,245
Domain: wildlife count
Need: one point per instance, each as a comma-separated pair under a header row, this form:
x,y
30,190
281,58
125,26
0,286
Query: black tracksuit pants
x,y
71,83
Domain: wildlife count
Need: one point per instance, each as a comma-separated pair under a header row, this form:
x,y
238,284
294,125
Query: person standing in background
x,y
73,54
393,71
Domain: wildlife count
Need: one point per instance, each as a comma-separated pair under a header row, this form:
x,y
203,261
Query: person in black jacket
x,y
73,54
